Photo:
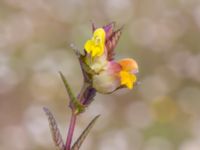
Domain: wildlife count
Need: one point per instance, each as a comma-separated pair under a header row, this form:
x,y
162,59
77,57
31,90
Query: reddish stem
x,y
73,118
70,131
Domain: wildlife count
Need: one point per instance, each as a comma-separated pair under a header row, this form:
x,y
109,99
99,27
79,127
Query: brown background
x,y
162,113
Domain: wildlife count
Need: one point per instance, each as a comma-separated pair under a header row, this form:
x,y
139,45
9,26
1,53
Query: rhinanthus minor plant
x,y
102,73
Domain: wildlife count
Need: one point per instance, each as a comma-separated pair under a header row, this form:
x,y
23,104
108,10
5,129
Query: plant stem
x,y
70,131
74,117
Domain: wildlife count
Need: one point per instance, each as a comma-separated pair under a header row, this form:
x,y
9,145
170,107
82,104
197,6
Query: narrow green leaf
x,y
78,107
55,132
84,134
67,87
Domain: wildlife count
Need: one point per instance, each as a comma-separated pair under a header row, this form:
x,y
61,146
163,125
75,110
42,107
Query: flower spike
x,y
108,75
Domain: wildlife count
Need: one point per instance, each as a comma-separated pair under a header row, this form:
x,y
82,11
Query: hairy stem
x,y
71,131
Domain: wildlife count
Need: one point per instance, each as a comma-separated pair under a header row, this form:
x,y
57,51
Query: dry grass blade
x,y
84,134
57,138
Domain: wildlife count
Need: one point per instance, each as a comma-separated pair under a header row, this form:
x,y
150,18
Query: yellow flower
x,y
95,46
127,74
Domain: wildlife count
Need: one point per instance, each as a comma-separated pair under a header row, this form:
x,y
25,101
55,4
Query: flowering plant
x,y
102,73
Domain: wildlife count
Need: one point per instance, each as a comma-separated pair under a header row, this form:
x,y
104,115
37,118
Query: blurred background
x,y
161,113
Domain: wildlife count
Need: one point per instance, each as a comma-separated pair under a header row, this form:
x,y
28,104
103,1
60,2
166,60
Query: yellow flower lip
x,y
127,79
127,74
95,46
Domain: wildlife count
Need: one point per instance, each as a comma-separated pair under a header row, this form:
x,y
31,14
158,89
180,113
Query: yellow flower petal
x,y
88,46
127,79
95,46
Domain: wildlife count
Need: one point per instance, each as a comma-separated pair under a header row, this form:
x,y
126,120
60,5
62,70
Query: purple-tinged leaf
x,y
112,42
84,134
109,29
57,138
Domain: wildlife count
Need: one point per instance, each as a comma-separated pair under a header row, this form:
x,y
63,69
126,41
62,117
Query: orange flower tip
x,y
129,65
